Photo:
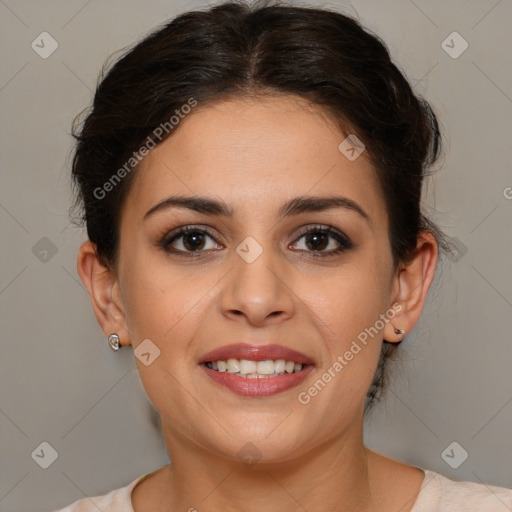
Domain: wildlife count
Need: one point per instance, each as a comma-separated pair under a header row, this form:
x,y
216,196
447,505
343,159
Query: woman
x,y
251,181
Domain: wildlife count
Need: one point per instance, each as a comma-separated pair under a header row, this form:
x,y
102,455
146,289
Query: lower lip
x,y
258,387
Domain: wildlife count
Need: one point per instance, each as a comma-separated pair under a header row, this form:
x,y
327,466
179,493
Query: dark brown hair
x,y
236,50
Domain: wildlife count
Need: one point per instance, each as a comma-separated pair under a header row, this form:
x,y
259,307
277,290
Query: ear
x,y
412,283
103,287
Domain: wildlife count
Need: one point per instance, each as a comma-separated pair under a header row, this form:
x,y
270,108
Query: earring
x,y
399,331
113,342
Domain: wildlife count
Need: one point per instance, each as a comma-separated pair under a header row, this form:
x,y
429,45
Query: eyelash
x,y
341,238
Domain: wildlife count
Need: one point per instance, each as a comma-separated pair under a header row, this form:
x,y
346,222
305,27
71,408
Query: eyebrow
x,y
296,206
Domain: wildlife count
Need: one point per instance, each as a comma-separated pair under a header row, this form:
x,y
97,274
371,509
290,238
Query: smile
x,y
256,370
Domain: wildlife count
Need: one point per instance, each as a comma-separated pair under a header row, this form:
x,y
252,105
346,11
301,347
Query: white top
x,y
437,494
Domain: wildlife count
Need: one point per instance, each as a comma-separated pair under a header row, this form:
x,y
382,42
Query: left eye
x,y
322,240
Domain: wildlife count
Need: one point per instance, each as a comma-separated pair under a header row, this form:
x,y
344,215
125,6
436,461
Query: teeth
x,y
256,369
233,366
247,366
279,365
265,367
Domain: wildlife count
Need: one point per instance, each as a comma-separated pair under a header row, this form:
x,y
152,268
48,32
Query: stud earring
x,y
113,342
399,331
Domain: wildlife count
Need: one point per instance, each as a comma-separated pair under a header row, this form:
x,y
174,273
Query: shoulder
x,y
114,501
416,489
440,494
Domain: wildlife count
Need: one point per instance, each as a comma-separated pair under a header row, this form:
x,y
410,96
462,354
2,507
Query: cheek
x,y
164,305
156,302
347,318
356,294
355,334
151,300
352,309
166,302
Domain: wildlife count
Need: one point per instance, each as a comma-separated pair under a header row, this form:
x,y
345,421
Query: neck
x,y
331,476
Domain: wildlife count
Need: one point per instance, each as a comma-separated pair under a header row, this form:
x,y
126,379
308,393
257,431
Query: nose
x,y
260,291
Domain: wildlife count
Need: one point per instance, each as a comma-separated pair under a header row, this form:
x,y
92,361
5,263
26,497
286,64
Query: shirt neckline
x,y
428,478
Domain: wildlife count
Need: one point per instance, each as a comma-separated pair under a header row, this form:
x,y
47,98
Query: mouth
x,y
256,370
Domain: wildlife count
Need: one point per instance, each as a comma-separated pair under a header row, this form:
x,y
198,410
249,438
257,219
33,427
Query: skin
x,y
256,154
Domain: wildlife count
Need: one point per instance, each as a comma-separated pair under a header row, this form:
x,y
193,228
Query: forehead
x,y
254,153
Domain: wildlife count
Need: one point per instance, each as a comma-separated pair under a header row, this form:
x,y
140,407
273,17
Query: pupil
x,y
197,242
316,238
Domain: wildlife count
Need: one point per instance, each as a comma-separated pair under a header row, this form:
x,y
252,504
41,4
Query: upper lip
x,y
255,353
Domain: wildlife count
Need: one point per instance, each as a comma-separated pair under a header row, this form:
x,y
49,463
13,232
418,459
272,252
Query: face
x,y
309,276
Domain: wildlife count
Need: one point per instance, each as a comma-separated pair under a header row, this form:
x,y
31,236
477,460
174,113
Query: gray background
x,y
62,385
